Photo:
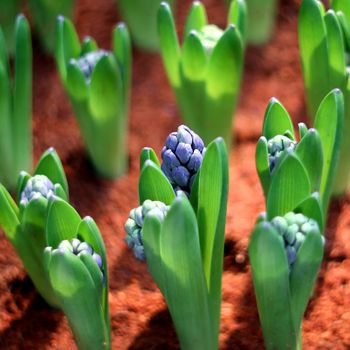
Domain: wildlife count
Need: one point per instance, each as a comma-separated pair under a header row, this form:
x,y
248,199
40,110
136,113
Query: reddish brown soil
x,y
139,316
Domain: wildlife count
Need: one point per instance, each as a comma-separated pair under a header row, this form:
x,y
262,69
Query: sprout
x,y
276,146
37,186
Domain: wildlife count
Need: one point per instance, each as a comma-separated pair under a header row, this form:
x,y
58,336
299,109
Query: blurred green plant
x,y
9,10
260,20
44,14
76,263
324,40
141,18
24,223
16,106
205,73
98,83
181,235
314,157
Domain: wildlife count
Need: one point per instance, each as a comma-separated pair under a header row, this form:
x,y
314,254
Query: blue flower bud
x,y
37,186
276,146
293,228
134,224
88,62
77,247
182,157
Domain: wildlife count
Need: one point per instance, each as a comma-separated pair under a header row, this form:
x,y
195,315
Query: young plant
x,y
141,18
260,20
205,73
8,13
179,229
285,253
97,82
324,42
76,263
24,223
317,150
44,14
16,106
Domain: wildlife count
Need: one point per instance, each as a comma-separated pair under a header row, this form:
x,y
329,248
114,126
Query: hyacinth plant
x,y
179,229
24,223
205,73
76,263
285,252
97,82
260,20
324,40
44,14
314,156
141,18
8,13
16,106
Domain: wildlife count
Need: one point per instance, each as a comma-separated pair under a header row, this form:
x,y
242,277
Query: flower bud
x,y
182,157
209,35
276,146
37,186
88,62
293,228
134,224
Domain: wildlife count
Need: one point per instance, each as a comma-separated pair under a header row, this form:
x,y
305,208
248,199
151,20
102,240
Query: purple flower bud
x,y
181,176
170,160
184,152
195,161
171,141
184,134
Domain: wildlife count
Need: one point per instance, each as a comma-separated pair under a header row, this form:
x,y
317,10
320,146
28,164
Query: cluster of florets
x,y
182,157
88,62
293,228
36,187
77,247
134,224
276,146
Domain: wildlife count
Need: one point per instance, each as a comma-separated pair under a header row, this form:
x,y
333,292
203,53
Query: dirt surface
x,y
139,316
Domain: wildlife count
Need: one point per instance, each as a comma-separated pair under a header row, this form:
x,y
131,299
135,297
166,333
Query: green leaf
x,y
60,192
148,153
211,218
336,50
89,232
314,53
76,82
277,120
62,222
21,183
227,53
345,25
271,283
51,166
88,45
312,208
238,16
151,242
303,130
21,122
329,124
186,292
169,43
262,164
309,151
194,58
304,274
67,44
196,19
343,6
290,185
8,214
106,85
79,300
154,185
122,52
